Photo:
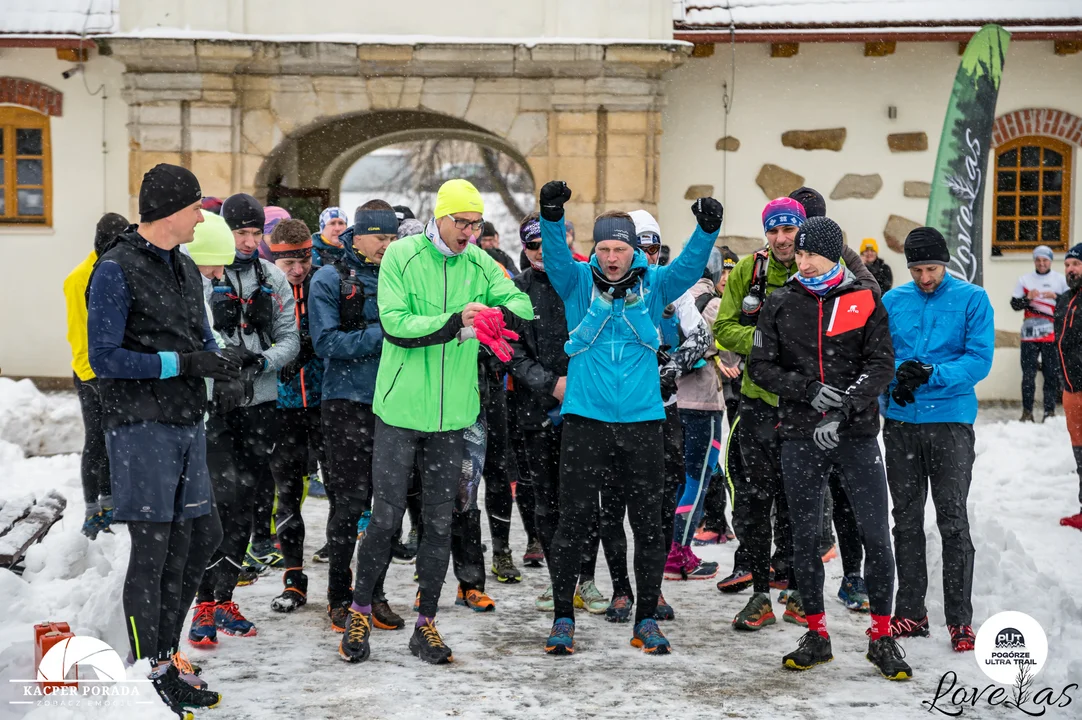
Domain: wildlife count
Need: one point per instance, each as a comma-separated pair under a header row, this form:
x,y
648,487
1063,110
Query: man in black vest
x,y
151,347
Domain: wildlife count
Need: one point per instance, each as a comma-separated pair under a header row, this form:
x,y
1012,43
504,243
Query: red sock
x,y
817,622
880,626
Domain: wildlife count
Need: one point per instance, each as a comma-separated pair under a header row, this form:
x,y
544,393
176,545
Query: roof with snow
x,y
717,14
59,17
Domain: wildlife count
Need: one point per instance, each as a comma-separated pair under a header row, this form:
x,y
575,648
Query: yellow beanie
x,y
869,244
457,196
213,243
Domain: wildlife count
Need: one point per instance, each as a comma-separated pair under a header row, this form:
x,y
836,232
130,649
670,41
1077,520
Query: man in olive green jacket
x,y
440,297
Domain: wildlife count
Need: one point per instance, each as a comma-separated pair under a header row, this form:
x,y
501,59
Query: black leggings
x,y
348,430
498,500
238,454
164,568
300,433
850,546
525,497
439,456
805,470
95,461
620,461
1040,357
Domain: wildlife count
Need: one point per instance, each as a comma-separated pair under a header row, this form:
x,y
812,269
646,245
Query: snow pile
x,y
72,17
39,423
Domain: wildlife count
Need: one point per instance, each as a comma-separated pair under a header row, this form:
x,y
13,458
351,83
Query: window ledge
x,y
1016,256
26,230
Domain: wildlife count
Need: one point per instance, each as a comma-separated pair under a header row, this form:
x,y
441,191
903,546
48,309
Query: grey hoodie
x,y
283,335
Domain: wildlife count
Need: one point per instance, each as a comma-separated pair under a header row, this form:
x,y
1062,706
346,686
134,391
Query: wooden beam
x,y
1067,47
701,50
784,50
962,45
880,48
74,55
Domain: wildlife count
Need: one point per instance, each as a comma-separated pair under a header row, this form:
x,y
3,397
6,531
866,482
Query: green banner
x,y
956,206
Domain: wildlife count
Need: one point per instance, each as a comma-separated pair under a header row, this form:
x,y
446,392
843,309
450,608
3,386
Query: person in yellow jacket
x,y
95,462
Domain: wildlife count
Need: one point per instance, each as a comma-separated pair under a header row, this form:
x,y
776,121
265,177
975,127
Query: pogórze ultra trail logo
x,y
1011,649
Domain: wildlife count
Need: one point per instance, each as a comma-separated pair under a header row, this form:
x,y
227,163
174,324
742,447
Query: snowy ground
x,y
1024,481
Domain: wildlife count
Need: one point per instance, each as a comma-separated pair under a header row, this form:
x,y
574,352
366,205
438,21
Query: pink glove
x,y
493,333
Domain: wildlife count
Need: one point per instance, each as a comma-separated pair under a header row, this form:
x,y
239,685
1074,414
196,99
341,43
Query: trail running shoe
x,y
756,615
1027,416
545,602
362,523
794,609
188,672
169,684
354,647
962,637
664,610
619,610
905,628
813,649
683,564
588,598
266,553
739,580
707,537
649,638
405,553
853,594
97,523
534,555
830,554
779,578
322,555
503,567
783,597
384,618
427,644
163,684
228,619
295,594
561,639
316,488
887,655
475,600
339,615
203,633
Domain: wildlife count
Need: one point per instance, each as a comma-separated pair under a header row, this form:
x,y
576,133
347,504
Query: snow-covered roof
x,y
688,14
59,17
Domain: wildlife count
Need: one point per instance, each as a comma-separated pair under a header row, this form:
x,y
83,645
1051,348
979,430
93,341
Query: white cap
x,y
1039,251
645,223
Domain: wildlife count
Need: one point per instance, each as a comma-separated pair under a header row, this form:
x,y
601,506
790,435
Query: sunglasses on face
x,y
533,245
463,224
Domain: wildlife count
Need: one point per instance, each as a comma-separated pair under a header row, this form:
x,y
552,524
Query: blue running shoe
x,y
619,610
228,619
562,638
362,524
649,638
854,594
203,632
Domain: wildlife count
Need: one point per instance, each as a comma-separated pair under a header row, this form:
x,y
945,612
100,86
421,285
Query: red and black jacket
x,y
1069,338
841,339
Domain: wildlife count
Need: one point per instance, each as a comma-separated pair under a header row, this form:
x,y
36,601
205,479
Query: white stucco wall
x,y
834,85
86,184
490,19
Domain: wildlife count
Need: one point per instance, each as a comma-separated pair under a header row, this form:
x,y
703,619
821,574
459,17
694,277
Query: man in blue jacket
x,y
344,321
612,405
944,336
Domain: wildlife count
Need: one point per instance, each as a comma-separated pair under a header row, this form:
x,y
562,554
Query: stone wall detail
x,y
830,139
896,230
777,182
907,142
863,187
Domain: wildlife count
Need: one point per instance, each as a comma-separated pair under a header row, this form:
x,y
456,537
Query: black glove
x,y
292,369
910,375
228,395
207,364
242,355
826,432
824,397
552,198
668,382
708,213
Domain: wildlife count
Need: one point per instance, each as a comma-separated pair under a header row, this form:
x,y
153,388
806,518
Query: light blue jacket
x,y
953,330
612,374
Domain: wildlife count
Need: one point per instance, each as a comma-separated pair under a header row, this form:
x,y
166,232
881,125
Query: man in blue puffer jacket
x,y
944,336
612,406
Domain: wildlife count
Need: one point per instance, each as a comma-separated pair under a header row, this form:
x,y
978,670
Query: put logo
x,y
82,652
1011,645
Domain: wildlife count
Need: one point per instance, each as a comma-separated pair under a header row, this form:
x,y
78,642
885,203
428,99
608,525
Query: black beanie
x,y
167,189
110,225
813,202
1075,252
822,236
926,246
243,211
404,213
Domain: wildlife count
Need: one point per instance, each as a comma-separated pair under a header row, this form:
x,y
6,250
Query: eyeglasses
x,y
651,249
532,245
475,225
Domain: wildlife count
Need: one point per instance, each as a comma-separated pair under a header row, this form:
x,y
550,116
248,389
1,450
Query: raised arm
x,y
687,268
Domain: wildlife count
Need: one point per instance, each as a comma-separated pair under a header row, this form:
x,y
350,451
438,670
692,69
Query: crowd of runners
x,y
230,363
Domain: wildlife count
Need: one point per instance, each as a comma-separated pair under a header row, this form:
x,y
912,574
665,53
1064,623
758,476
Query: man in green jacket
x,y
440,297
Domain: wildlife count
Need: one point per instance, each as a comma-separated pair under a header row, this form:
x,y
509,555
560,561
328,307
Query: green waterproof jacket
x,y
728,331
427,378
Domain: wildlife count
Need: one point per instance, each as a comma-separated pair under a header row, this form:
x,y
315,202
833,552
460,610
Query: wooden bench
x,y
25,521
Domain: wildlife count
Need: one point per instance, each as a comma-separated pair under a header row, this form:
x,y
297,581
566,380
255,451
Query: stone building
x,y
624,99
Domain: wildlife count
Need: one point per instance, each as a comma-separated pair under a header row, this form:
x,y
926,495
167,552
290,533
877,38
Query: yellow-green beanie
x,y
213,243
458,196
